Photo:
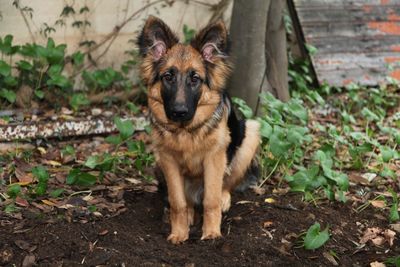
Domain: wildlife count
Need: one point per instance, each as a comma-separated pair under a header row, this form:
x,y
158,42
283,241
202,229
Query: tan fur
x,y
192,156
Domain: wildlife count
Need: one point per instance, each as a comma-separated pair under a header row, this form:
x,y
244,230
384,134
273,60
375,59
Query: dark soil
x,y
256,233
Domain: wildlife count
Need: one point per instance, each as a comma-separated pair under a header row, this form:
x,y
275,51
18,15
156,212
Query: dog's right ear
x,y
156,38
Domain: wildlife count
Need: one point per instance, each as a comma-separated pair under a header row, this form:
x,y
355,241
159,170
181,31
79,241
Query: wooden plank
x,y
356,40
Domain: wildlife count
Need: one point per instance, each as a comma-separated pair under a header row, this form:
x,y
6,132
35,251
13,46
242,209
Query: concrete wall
x,y
104,15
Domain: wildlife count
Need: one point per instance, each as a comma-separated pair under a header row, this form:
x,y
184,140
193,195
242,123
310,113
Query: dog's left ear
x,y
212,41
156,38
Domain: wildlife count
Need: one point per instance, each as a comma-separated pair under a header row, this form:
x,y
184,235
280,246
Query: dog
x,y
202,149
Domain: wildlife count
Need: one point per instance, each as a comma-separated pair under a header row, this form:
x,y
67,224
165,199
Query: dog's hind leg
x,y
242,160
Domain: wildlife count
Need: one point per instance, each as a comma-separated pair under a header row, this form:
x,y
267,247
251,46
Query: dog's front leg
x,y
214,169
176,198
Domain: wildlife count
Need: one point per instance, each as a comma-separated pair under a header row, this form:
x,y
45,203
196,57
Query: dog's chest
x,y
190,150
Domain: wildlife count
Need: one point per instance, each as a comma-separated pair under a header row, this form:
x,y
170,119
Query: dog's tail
x,y
251,176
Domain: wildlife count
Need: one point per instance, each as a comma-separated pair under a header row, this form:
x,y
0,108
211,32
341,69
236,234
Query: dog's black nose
x,y
180,111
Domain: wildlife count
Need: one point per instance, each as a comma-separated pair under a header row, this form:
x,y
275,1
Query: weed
x,y
315,238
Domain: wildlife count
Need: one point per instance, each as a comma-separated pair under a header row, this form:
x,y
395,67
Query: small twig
x,y
27,24
118,28
219,10
270,174
201,3
81,192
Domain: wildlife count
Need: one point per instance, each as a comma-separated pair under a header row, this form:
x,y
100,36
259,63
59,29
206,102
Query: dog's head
x,y
181,77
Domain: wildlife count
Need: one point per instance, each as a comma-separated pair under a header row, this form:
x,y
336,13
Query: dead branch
x,y
121,95
64,128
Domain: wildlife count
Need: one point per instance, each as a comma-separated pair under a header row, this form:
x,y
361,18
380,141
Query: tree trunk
x,y
258,50
276,51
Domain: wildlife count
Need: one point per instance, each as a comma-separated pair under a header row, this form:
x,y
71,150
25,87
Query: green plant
x,y
42,176
393,261
315,238
80,178
188,34
394,209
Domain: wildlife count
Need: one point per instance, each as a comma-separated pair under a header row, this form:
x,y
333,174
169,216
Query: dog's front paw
x,y
177,238
211,235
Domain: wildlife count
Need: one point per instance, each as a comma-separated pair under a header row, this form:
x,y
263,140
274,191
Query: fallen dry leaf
x,y
377,264
42,150
378,203
52,163
396,227
133,181
389,235
6,255
29,260
269,200
267,224
281,191
356,178
378,241
258,190
369,234
103,232
21,202
23,177
378,236
330,258
22,244
49,203
244,202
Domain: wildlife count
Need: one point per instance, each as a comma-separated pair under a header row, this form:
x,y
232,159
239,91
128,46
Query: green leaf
x,y
298,110
77,177
9,95
10,208
39,93
394,213
55,70
68,150
315,238
125,128
278,144
5,69
92,162
393,261
57,192
369,115
114,139
387,153
265,129
50,43
133,107
42,176
243,107
14,190
77,100
394,209
40,173
24,65
60,81
78,58
312,50
10,81
325,161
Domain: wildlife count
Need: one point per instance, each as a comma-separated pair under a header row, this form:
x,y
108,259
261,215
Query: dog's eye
x,y
195,78
167,76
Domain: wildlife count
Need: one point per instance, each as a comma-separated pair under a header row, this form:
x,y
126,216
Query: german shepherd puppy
x,y
201,148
